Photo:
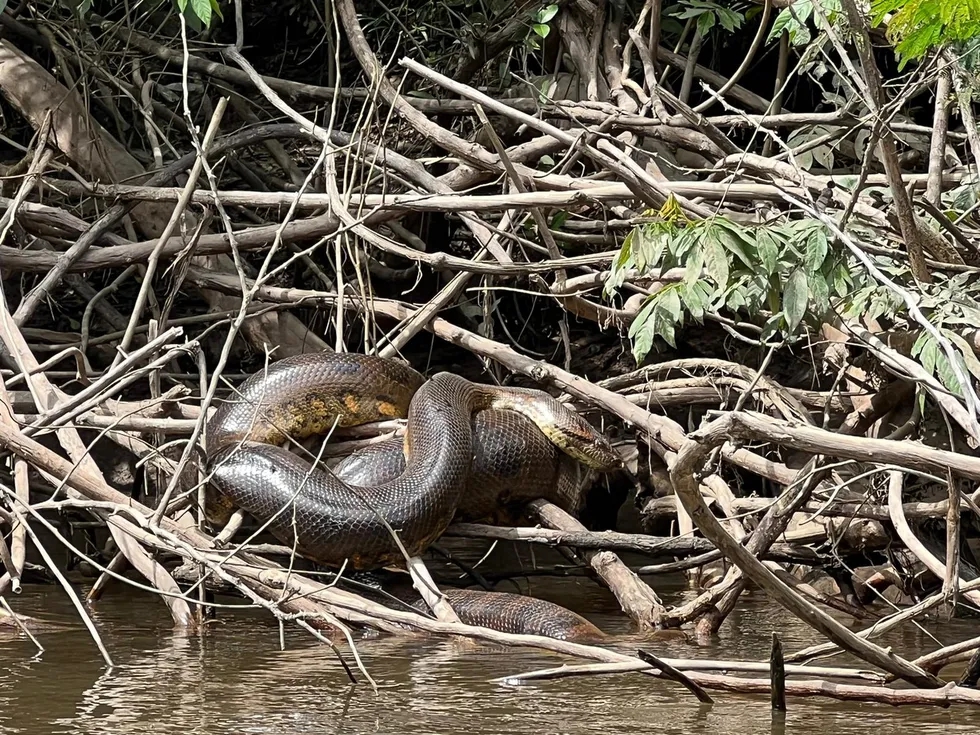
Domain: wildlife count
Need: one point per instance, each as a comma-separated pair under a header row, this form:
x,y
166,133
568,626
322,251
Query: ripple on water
x,y
236,680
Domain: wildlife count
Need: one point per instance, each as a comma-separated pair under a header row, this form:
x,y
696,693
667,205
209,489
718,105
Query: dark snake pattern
x,y
465,451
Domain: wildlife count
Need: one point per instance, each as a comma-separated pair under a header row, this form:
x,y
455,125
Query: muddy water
x,y
238,679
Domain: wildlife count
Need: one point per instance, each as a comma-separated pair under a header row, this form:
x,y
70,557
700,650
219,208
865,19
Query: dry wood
x,y
777,676
669,672
942,697
936,566
844,506
490,209
689,462
637,599
614,540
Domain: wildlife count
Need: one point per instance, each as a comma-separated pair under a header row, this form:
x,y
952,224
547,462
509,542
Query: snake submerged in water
x,y
467,447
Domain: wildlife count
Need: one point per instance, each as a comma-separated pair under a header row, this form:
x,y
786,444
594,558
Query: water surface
x,y
237,679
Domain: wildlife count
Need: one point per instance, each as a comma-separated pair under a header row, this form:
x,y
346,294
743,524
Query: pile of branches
x,y
173,217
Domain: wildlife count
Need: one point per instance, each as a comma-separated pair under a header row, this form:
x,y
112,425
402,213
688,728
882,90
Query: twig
x,y
613,540
934,565
20,624
175,217
70,591
682,475
777,676
670,672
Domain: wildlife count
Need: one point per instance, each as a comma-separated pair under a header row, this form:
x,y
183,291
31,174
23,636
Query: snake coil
x,y
417,484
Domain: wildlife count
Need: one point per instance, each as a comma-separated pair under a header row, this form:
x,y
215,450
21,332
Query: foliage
x,y
781,274
917,26
963,197
707,14
950,303
539,26
794,20
821,155
199,10
784,275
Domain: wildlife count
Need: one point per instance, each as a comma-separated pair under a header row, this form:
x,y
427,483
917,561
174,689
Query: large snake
x,y
466,448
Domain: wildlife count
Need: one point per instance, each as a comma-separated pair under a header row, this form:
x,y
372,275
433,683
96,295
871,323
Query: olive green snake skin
x,y
468,451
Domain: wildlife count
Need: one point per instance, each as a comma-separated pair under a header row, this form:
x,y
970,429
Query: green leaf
x,y
768,250
824,155
920,399
694,267
559,220
547,13
684,239
696,298
658,318
736,298
877,307
771,327
706,21
916,26
640,247
202,9
929,355
641,331
947,375
860,302
716,264
795,297
970,360
622,263
919,343
733,238
842,279
819,291
729,20
816,249
541,29
671,303
970,313
661,240
797,31
665,330
649,244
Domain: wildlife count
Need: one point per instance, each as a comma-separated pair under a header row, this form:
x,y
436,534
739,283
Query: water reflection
x,y
236,680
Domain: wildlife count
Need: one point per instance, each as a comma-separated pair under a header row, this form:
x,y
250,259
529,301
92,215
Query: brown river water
x,y
238,679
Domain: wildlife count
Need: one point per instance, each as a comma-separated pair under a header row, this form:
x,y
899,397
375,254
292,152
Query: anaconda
x,y
336,523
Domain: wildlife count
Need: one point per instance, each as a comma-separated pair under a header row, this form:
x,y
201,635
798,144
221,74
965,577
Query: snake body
x,y
513,463
337,523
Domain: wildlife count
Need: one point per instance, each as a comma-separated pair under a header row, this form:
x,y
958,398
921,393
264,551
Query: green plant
x,y
794,20
199,12
952,302
708,15
540,24
779,274
918,26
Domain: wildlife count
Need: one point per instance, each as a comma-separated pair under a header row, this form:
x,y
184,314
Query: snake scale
x,y
468,448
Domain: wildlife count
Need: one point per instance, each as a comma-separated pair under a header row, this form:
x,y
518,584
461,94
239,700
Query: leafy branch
x,y
783,275
780,274
918,26
793,20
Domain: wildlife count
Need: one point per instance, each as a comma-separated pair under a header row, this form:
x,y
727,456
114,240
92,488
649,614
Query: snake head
x,y
579,439
596,452
565,428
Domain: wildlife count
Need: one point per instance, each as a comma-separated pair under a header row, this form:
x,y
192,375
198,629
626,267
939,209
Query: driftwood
x,y
198,235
